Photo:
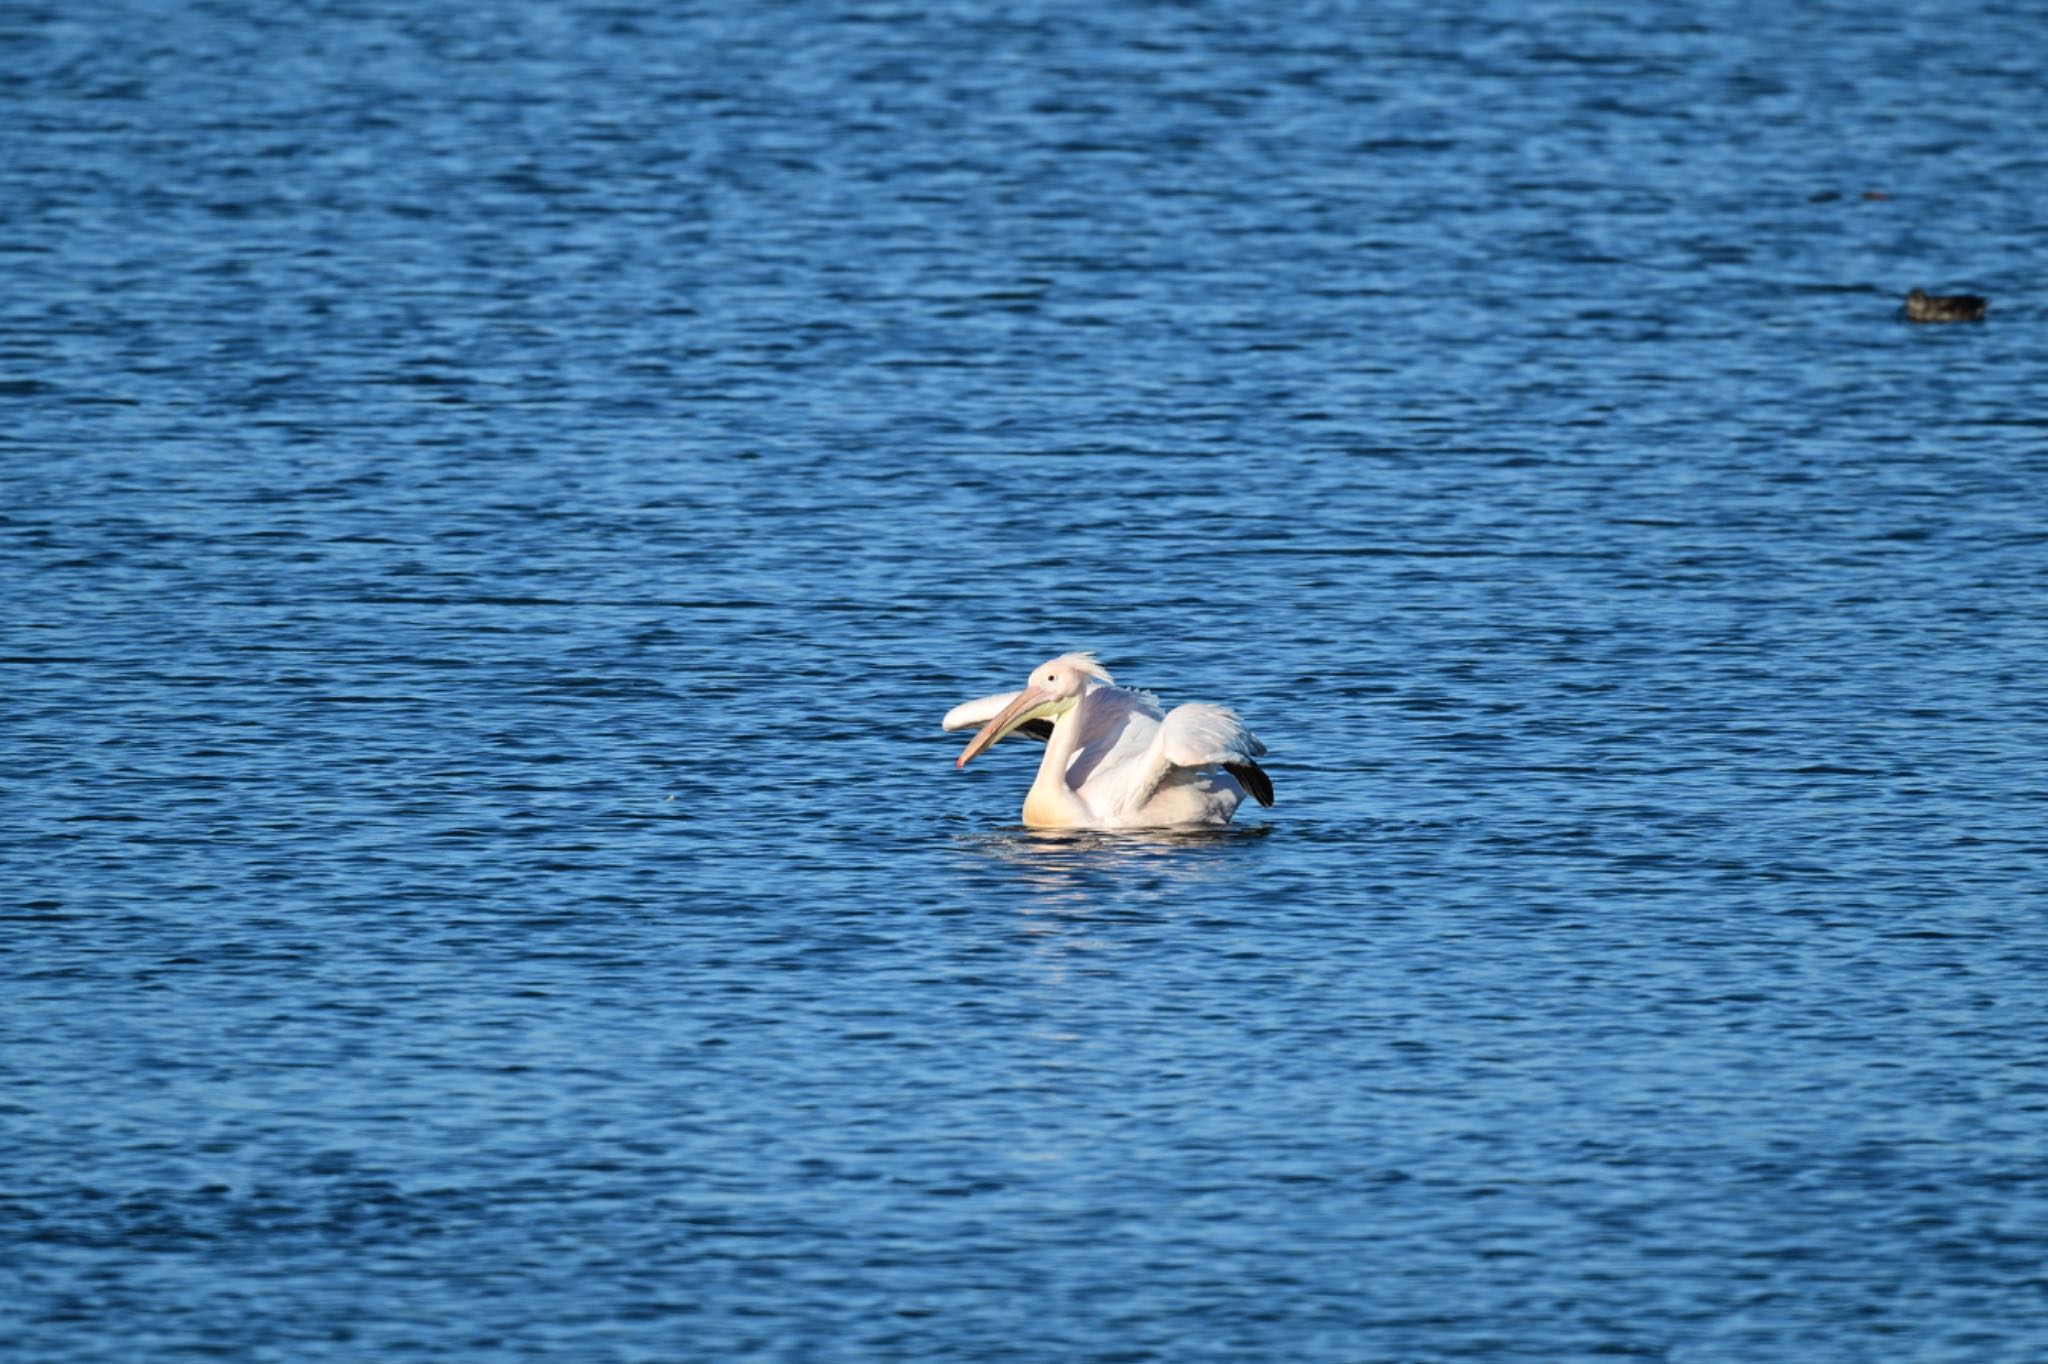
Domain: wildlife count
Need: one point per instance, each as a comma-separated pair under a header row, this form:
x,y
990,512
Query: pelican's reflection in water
x,y
1097,910
1127,874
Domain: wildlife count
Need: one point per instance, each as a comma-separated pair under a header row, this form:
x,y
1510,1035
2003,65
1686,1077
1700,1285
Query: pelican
x,y
1113,758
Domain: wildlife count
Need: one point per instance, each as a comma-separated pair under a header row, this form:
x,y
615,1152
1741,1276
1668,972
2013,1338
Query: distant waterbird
x,y
1114,759
1922,306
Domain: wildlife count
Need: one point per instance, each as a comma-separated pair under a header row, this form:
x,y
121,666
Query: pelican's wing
x,y
975,714
1115,729
1196,735
1117,716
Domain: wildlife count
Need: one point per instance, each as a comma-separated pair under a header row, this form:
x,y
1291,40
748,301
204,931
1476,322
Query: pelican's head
x,y
1056,687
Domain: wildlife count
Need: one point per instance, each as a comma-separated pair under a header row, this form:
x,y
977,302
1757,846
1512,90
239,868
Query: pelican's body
x,y
1113,758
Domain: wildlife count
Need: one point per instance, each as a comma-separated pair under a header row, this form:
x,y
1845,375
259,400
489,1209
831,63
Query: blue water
x,y
495,499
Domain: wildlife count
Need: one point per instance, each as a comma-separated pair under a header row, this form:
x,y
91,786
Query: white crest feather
x,y
1086,663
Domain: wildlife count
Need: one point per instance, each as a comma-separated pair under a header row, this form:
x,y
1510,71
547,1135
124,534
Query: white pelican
x,y
1113,759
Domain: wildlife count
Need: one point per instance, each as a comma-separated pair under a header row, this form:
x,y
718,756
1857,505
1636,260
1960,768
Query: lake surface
x,y
495,499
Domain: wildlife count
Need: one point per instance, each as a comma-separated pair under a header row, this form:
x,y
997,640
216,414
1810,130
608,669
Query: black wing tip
x,y
1254,779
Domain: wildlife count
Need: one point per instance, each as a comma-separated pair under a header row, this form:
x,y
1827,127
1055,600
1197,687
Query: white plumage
x,y
1113,758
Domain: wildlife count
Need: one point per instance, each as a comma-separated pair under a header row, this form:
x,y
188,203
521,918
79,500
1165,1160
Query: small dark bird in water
x,y
1922,306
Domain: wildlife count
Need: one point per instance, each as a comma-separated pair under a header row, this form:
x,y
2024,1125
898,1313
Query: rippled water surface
x,y
495,499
